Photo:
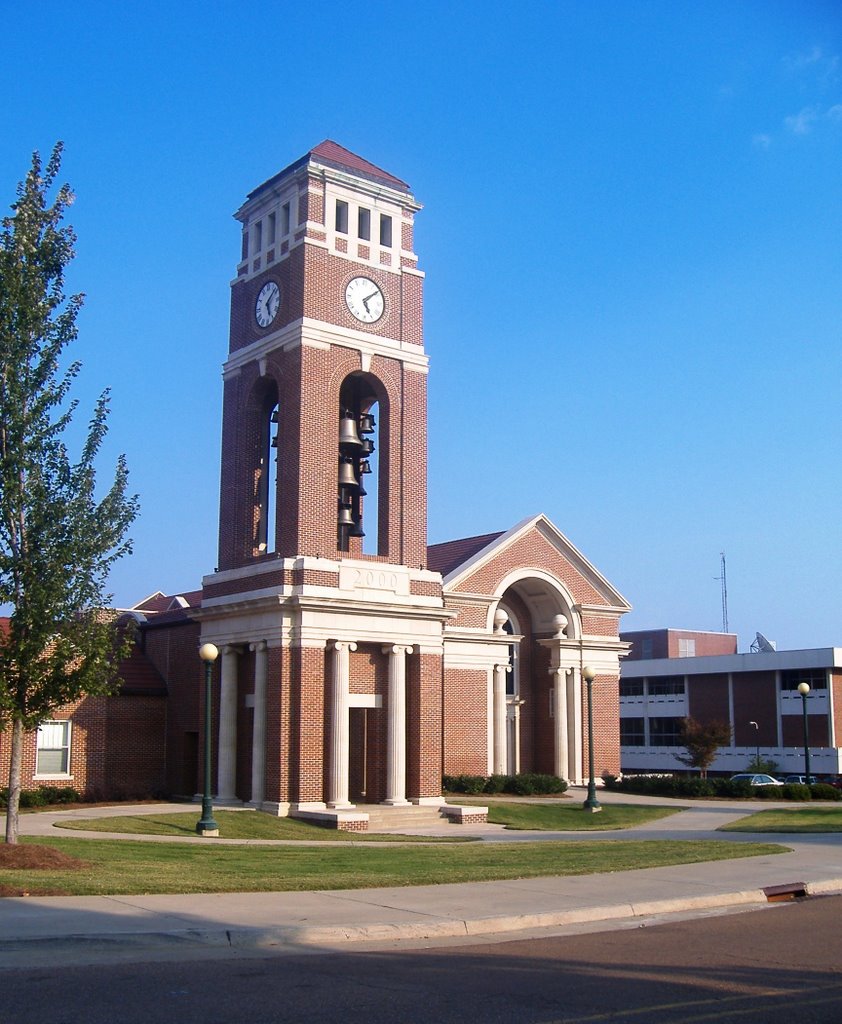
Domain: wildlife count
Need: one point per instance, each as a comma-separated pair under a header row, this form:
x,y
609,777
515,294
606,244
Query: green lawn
x,y
555,817
796,819
132,867
241,825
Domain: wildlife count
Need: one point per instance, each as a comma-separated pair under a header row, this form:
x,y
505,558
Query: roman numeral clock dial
x,y
364,300
268,303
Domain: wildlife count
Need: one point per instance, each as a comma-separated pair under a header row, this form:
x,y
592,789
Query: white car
x,y
756,780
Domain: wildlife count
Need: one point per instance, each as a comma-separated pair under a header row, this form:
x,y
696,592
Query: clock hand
x,y
368,299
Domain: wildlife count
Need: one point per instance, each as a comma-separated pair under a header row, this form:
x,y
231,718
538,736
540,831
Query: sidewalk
x,y
416,915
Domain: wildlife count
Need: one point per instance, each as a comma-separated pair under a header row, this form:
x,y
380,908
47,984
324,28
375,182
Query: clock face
x,y
268,303
364,299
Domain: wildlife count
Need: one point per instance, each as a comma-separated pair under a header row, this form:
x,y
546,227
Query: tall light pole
x,y
804,689
206,826
591,804
756,746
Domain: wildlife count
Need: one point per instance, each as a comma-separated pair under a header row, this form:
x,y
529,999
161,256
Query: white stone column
x,y
574,719
396,726
340,742
227,758
258,739
561,748
499,719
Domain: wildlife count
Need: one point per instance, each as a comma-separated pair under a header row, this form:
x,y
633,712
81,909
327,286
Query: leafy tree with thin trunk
x,y
701,740
58,536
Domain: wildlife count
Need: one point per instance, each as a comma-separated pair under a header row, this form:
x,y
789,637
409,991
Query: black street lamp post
x,y
591,805
206,826
756,746
804,689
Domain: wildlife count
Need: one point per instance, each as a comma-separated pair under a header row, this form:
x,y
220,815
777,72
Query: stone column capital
x,y
397,649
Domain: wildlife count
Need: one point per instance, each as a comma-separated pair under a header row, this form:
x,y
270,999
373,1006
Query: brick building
x,y
755,693
356,663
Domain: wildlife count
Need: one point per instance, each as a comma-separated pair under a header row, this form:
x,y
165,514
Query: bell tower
x,y
324,417
329,623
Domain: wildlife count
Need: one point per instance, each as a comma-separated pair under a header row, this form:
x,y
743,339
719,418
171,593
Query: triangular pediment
x,y
534,544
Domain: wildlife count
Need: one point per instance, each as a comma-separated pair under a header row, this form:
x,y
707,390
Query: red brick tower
x,y
328,621
326,370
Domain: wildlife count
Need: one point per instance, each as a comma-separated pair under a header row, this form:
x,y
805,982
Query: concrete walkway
x,y
85,928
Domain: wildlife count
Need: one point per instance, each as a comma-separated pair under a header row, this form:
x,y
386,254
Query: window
x,y
364,223
632,732
257,236
686,647
631,687
285,219
665,732
271,229
815,677
668,686
53,749
341,217
385,230
646,647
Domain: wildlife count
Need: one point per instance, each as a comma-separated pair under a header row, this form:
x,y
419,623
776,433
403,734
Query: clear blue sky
x,y
633,243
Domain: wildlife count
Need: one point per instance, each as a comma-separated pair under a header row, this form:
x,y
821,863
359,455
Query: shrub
x,y
793,791
534,784
497,783
822,791
43,796
471,784
610,781
525,784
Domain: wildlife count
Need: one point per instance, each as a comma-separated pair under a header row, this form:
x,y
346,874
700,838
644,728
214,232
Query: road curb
x,y
331,935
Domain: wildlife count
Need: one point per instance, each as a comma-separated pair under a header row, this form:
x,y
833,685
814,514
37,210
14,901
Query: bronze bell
x,y
348,431
345,517
364,466
347,476
356,530
366,423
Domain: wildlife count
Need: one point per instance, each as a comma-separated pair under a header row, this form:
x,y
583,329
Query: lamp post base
x,y
592,807
209,829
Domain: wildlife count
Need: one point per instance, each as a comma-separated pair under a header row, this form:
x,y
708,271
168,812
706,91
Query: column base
x,y
395,802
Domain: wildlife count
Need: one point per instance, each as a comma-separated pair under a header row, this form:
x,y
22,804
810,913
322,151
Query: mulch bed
x,y
31,857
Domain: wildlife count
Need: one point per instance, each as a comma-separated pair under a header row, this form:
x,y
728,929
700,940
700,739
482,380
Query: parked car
x,y
756,779
802,779
831,780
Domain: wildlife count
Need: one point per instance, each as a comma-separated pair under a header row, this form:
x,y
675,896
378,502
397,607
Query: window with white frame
x,y
686,647
53,749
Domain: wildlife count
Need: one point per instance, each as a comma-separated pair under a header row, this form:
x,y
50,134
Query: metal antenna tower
x,y
723,580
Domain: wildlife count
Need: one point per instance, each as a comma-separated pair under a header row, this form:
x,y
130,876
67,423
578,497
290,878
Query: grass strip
x,y
113,867
242,825
555,817
801,819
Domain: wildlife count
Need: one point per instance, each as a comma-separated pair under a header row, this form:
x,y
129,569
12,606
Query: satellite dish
x,y
762,645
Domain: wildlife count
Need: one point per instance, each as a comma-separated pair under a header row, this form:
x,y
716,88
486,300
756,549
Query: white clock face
x,y
268,303
364,299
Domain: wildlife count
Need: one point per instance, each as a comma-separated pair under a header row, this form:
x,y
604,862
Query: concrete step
x,y
382,817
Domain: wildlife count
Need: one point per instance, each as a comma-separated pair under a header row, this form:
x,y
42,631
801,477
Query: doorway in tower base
x,y
367,766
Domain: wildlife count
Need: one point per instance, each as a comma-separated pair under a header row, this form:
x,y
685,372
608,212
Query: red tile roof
x,y
334,155
450,554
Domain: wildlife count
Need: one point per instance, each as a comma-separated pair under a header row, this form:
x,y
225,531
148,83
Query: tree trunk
x,y
13,810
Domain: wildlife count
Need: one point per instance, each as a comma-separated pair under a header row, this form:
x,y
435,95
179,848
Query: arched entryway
x,y
541,620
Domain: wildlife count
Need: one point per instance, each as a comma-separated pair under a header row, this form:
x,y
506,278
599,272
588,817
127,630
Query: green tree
x,y
701,740
58,538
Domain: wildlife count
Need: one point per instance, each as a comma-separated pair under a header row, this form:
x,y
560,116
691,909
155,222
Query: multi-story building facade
x,y
756,694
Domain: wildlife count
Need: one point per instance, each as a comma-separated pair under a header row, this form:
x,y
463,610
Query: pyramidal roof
x,y
331,154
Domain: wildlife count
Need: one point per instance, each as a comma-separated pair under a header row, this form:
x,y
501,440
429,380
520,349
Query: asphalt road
x,y
768,966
